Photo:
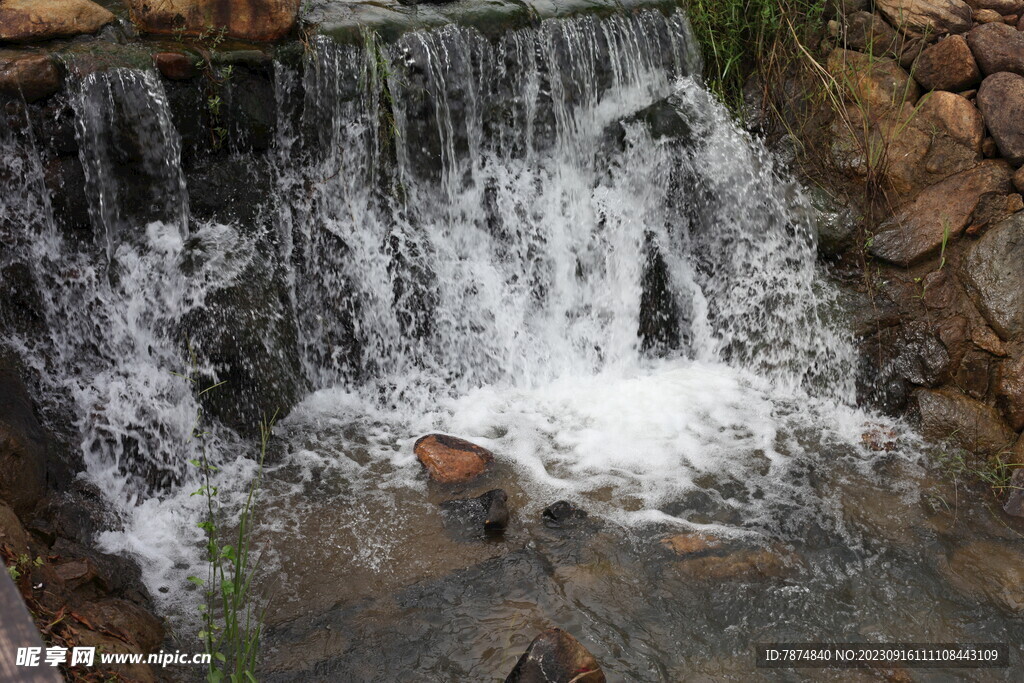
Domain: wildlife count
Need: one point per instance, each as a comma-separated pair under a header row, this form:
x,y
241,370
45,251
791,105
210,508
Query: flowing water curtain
x,y
131,154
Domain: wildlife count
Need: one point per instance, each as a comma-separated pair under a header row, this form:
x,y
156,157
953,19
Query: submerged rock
x,y
450,460
988,570
487,512
23,21
708,557
556,657
562,513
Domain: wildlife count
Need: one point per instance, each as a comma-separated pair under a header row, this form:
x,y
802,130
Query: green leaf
x,y
196,580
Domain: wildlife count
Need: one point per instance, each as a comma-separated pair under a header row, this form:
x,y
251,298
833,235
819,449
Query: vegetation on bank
x,y
740,38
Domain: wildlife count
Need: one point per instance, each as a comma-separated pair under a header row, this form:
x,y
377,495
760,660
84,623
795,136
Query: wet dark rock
x,y
660,318
94,575
488,513
556,657
1014,504
938,214
12,533
23,447
995,279
449,459
1018,179
947,65
973,374
988,16
562,513
34,76
1001,100
992,207
948,415
997,48
21,307
65,179
126,619
246,333
231,189
707,558
175,66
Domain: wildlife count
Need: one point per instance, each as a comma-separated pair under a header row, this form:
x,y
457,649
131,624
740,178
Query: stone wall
x,y
931,117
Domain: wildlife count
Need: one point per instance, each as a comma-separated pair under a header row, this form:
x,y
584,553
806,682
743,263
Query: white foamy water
x,y
481,239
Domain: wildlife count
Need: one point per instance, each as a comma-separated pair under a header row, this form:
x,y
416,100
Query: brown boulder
x,y
175,66
947,65
1000,6
1010,392
994,277
997,47
988,16
872,83
927,17
12,533
939,213
1001,100
556,657
125,619
22,445
34,76
946,414
260,20
24,21
449,459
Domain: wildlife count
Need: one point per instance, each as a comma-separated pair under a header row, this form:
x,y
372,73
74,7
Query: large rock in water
x,y
947,65
24,21
997,47
988,570
927,17
1001,100
556,657
260,20
994,274
946,414
939,213
451,460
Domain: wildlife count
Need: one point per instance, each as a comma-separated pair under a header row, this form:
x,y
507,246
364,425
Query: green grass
x,y
739,38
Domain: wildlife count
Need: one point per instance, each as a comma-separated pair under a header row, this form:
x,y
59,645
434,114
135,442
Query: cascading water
x,y
555,244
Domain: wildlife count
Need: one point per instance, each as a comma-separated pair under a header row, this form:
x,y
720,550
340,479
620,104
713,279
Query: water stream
x,y
557,245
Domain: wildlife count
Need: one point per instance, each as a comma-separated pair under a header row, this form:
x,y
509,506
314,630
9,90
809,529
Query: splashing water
x,y
495,239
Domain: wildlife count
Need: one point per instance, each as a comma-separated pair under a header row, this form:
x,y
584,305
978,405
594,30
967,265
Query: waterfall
x,y
460,227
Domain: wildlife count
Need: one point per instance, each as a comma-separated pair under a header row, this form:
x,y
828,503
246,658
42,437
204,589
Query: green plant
x,y
741,37
23,565
231,612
